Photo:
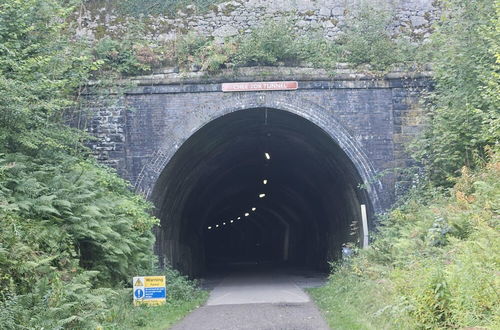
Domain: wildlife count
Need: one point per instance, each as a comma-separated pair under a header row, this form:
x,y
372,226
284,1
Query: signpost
x,y
260,86
149,290
364,220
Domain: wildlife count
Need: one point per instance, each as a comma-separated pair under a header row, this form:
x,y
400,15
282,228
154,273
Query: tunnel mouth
x,y
258,187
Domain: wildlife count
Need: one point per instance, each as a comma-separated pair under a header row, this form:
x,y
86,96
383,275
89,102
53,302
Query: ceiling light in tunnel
x,y
232,221
239,218
262,195
224,223
268,156
265,181
254,208
209,227
247,214
217,226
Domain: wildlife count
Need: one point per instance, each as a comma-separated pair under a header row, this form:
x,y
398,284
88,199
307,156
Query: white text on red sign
x,y
260,86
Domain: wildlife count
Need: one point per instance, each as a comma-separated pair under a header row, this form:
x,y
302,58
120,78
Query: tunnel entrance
x,y
258,186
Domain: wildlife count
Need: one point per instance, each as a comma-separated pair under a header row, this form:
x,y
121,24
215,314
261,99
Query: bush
x,y
267,45
84,210
162,7
194,52
367,39
433,264
70,230
463,116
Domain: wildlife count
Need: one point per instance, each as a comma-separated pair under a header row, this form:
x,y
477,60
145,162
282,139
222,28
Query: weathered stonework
x,y
238,17
369,117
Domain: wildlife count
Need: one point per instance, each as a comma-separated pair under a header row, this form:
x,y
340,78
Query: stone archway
x,y
172,183
314,113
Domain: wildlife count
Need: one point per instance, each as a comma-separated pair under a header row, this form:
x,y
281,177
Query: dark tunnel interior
x,y
257,186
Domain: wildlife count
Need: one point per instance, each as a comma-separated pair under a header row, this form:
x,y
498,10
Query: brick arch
x,y
292,103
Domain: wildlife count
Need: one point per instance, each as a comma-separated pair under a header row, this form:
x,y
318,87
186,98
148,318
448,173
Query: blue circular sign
x,y
139,293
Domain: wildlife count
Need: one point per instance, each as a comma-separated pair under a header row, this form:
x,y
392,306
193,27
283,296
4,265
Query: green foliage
x,y
194,52
367,39
433,265
108,226
67,224
162,7
123,315
38,72
70,230
129,54
465,106
54,303
120,56
73,303
272,43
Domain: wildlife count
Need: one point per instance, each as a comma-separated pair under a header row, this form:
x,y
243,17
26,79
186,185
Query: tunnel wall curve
x,y
312,202
307,110
369,119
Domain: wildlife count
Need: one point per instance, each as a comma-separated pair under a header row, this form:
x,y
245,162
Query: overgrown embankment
x,y
72,234
365,38
434,261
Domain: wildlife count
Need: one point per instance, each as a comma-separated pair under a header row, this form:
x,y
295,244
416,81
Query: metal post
x,y
364,219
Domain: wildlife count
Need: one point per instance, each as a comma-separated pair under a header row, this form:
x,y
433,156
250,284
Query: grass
x,y
350,303
433,265
126,316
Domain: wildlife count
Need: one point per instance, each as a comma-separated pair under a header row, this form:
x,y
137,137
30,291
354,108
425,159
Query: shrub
x,y
161,7
275,41
423,270
98,220
367,39
464,116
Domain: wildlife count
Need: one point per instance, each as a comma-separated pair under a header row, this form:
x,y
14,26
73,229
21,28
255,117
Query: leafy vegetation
x,y
366,39
434,261
72,233
433,265
278,43
464,110
183,297
162,7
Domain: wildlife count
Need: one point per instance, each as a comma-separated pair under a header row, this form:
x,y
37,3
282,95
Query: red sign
x,y
260,86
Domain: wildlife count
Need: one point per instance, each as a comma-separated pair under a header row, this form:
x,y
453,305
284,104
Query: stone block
x,y
418,21
324,11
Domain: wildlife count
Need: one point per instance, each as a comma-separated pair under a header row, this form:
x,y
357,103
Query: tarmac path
x,y
260,300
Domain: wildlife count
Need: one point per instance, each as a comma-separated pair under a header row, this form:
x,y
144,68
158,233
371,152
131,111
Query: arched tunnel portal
x,y
262,186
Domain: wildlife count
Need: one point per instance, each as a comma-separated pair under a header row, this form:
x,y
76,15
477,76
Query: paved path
x,y
262,299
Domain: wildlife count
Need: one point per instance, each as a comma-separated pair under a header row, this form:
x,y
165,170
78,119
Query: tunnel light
x,y
268,156
265,181
239,218
209,227
224,223
247,214
232,221
262,195
217,226
254,208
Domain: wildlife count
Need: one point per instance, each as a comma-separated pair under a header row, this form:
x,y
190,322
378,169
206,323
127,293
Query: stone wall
x,y
139,134
238,17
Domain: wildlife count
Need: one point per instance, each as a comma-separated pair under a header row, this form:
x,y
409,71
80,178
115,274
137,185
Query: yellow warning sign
x,y
149,290
154,281
155,302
